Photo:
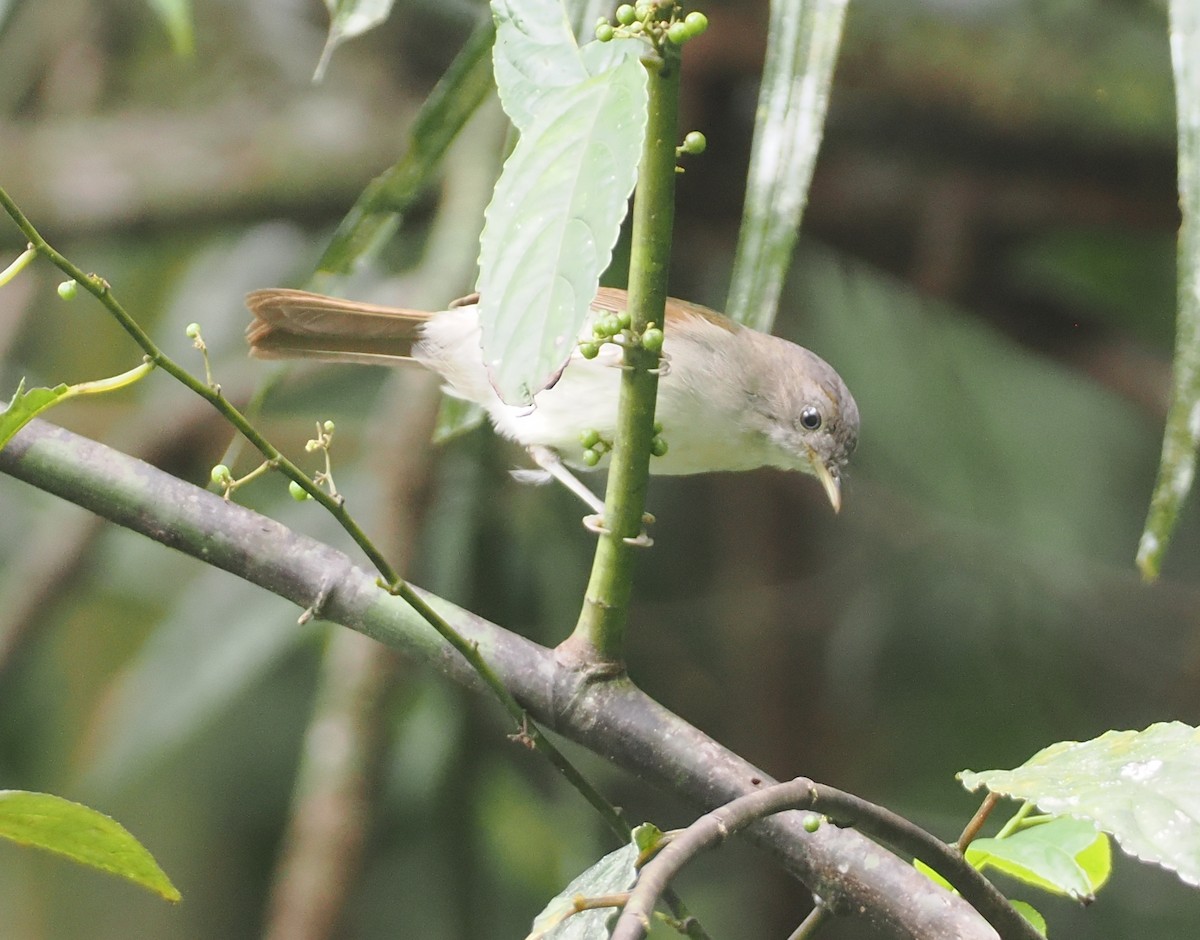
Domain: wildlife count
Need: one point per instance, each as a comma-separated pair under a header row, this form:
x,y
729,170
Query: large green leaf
x,y
82,835
1143,787
1064,855
556,212
535,55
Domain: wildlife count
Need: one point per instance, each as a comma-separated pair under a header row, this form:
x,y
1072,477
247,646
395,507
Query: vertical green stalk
x,y
600,631
802,45
1182,433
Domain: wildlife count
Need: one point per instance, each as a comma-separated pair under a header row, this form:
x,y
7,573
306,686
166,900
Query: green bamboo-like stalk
x,y
802,45
1181,436
600,631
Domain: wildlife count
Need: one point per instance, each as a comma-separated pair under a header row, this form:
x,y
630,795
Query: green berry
x,y
589,350
624,319
658,446
328,427
589,439
606,326
678,33
812,822
68,289
604,32
652,339
220,475
658,428
696,23
625,14
694,142
297,492
193,331
591,457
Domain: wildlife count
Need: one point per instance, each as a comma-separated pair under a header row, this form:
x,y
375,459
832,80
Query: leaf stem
x,y
600,631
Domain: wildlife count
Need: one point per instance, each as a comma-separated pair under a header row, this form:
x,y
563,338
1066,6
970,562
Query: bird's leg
x,y
551,462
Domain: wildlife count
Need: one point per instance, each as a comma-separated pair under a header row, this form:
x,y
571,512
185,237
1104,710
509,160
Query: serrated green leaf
x,y
1031,914
1064,856
81,834
347,19
613,874
552,223
535,55
25,406
176,16
1143,787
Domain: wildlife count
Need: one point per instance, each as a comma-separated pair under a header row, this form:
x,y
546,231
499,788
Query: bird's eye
x,y
810,418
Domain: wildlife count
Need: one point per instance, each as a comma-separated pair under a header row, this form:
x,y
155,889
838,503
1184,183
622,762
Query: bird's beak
x,y
833,488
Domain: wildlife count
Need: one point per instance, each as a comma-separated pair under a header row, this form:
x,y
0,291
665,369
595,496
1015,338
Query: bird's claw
x,y
595,523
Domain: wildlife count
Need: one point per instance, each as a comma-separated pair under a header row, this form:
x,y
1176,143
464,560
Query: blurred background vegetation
x,y
988,259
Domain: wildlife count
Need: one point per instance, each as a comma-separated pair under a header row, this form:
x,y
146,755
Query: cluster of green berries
x,y
641,19
595,446
614,328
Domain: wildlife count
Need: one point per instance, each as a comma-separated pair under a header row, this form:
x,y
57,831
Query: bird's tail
x,y
297,324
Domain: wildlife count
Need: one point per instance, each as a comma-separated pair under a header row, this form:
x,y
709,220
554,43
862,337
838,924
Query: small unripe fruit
x,y
625,14
696,23
591,457
658,446
297,492
220,474
812,822
589,350
604,32
589,439
694,142
328,426
193,331
68,289
624,319
652,339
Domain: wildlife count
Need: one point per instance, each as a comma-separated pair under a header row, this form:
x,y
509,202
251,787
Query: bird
x,y
731,398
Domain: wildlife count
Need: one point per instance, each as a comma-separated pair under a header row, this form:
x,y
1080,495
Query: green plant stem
x,y
1015,823
600,631
389,580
